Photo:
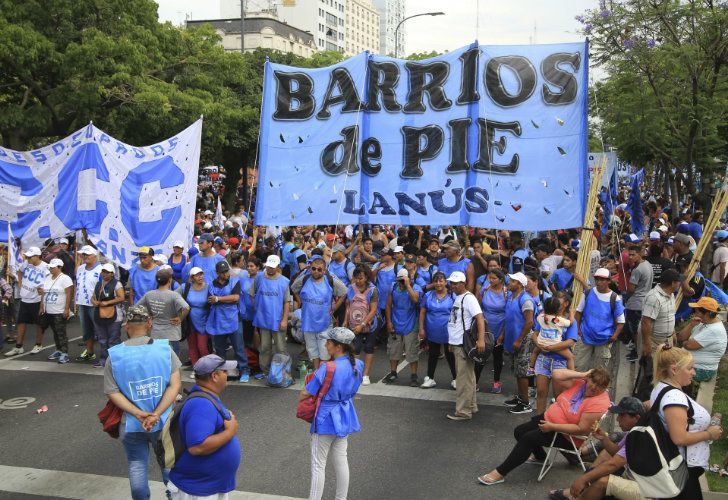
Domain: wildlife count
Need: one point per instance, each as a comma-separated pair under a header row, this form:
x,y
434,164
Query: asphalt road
x,y
407,448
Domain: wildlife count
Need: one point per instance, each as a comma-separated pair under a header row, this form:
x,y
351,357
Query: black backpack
x,y
170,448
612,300
470,338
654,460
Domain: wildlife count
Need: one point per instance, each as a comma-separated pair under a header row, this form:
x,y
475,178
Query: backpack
x,y
279,374
470,339
170,448
654,460
359,308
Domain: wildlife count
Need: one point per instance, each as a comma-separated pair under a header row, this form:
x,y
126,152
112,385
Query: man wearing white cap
x,y
465,311
55,308
272,299
63,254
600,316
87,275
31,276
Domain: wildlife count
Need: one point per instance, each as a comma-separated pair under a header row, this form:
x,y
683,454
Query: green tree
x,y
664,99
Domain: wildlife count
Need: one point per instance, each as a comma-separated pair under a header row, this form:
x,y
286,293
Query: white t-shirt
x,y
720,255
551,263
86,280
54,298
464,304
33,278
713,339
604,297
697,454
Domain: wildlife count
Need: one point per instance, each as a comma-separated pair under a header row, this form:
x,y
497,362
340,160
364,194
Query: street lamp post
x,y
396,30
242,26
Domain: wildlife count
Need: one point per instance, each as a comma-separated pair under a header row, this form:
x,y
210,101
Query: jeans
x,y
632,318
266,346
320,446
236,340
136,445
107,335
88,325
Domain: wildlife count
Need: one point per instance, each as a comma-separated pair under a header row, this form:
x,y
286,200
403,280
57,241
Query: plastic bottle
x,y
715,420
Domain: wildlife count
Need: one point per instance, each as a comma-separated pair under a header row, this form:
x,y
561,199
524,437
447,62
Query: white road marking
x,y
76,485
394,391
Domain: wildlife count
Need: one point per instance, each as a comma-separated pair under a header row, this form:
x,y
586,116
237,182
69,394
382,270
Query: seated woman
x,y
575,412
705,337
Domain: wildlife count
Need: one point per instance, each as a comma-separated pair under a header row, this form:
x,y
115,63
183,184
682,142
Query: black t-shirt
x,y
683,261
659,264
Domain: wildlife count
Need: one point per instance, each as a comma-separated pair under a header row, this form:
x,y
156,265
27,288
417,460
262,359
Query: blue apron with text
x,y
316,305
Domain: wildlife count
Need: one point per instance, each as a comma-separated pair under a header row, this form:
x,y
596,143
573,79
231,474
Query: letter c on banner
x,y
22,177
85,157
169,175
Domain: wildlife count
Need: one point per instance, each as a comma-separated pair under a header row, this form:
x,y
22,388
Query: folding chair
x,y
554,450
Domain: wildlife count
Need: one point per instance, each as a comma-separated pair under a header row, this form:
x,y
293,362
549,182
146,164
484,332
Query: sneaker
x,y
390,378
521,407
55,355
83,356
365,380
512,402
413,381
632,355
531,392
259,376
192,375
187,363
428,383
36,349
530,372
63,358
497,388
454,385
15,351
244,378
97,364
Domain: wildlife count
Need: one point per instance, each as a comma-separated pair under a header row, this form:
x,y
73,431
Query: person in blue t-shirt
x,y
336,417
401,314
563,277
143,276
207,258
209,433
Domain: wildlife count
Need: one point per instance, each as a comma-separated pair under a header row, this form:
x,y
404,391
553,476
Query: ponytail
x,y
349,350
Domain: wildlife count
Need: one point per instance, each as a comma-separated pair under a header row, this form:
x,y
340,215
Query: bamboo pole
x,y
720,203
588,240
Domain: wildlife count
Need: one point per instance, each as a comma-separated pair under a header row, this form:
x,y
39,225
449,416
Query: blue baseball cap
x,y
721,235
631,238
211,363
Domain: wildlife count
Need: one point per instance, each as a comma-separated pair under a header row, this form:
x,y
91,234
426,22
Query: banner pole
x,y
720,203
583,261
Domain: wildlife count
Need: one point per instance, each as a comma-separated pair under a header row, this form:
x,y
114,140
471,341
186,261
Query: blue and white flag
x,y
634,204
218,220
489,136
15,259
124,196
609,202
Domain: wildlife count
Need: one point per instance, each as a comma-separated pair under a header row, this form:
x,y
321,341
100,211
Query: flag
x,y
217,220
15,260
714,290
609,203
634,204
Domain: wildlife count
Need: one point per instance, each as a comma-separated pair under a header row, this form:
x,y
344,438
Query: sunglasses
x,y
318,269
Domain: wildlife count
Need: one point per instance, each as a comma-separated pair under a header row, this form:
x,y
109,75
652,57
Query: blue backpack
x,y
280,371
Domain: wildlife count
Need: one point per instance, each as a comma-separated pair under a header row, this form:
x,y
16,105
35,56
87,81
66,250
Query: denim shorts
x,y
545,365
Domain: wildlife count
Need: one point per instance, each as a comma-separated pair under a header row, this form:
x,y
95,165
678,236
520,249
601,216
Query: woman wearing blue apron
x,y
435,308
493,302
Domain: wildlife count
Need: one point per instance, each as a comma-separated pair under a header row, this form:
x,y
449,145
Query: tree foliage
x,y
664,100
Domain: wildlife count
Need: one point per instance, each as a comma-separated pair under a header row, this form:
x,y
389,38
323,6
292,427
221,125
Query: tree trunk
x,y
674,195
233,161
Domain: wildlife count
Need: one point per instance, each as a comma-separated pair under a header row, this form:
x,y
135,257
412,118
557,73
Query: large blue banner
x,y
490,136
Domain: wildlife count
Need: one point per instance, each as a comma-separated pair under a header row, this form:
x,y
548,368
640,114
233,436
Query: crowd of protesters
x,y
243,290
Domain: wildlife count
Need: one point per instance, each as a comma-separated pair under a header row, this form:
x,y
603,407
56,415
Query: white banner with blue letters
x,y
124,196
490,136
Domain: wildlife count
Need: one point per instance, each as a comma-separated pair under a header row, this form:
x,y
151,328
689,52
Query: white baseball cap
x,y
108,267
178,244
398,249
402,273
32,251
273,261
519,277
655,236
457,277
602,272
208,212
55,263
160,257
62,240
88,250
196,270
663,229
